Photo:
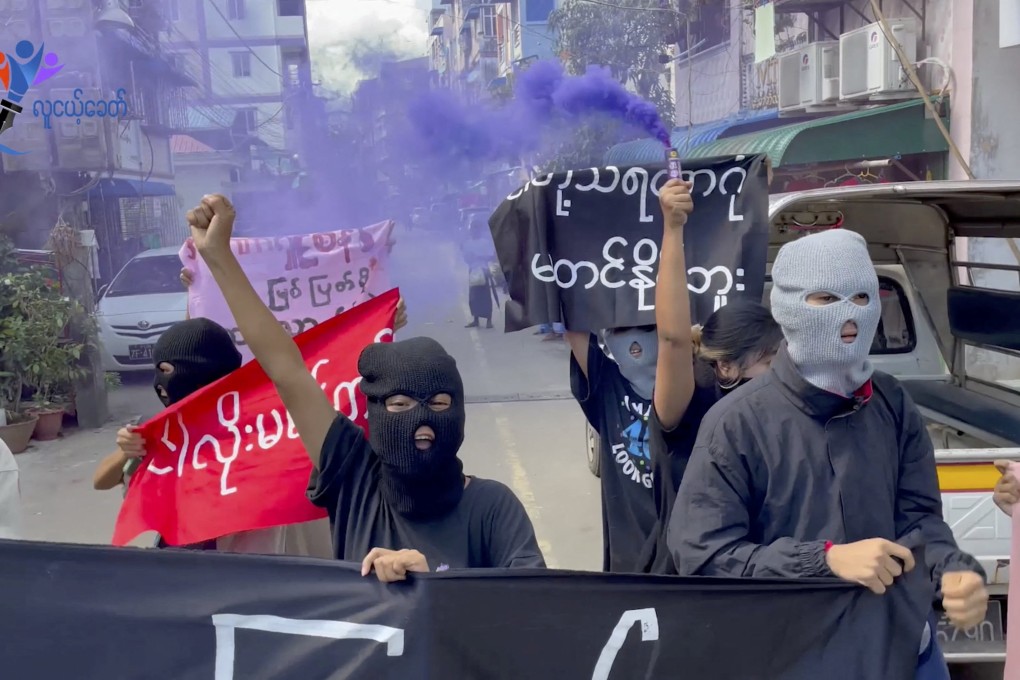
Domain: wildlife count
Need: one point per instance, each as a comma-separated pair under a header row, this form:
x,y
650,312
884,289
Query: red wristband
x,y
828,546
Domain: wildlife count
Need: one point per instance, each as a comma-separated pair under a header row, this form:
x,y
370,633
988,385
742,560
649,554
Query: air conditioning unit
x,y
80,141
809,76
869,67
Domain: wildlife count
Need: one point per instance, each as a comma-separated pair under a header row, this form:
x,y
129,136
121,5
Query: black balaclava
x,y
416,484
201,352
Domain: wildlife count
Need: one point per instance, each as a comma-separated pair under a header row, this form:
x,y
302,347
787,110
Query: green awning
x,y
882,132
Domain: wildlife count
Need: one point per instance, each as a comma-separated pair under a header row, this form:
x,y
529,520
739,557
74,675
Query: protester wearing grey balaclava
x,y
835,262
638,370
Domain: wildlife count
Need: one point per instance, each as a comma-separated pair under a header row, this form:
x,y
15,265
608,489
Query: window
x,y
242,64
290,8
992,364
538,11
895,334
487,21
248,119
147,276
175,10
134,4
235,9
709,26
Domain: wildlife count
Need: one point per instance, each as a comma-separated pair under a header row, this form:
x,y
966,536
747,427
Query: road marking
x,y
519,475
520,481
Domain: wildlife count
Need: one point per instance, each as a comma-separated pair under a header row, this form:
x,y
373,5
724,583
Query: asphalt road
x,y
523,428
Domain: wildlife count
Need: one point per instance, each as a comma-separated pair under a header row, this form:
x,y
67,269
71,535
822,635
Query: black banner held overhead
x,y
96,612
582,247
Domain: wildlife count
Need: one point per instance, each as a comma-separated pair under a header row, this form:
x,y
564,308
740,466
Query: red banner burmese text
x,y
228,459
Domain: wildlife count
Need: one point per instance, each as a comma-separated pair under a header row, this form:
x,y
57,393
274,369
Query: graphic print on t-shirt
x,y
630,448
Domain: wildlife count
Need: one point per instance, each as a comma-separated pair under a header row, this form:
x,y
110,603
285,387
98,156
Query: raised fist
x,y
676,202
212,223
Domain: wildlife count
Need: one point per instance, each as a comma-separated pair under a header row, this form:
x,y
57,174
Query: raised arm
x,y
212,224
579,348
674,371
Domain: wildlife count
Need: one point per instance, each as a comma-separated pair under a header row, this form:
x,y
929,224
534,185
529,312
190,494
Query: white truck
x,y
950,330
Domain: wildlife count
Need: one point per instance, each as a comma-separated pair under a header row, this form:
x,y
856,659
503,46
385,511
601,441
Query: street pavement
x,y
523,428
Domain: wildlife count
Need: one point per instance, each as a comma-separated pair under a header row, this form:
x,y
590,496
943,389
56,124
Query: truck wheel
x,y
594,448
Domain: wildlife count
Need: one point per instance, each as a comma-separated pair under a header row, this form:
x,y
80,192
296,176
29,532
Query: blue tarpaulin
x,y
131,188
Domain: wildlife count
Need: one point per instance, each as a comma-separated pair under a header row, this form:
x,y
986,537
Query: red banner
x,y
228,459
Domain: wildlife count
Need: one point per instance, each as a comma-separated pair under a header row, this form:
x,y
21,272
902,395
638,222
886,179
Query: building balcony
x,y
472,8
488,48
436,19
159,109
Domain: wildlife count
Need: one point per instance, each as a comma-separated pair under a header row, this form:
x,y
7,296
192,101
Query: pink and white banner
x,y
304,280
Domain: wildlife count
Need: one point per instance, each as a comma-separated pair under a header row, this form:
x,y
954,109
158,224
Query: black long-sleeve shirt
x,y
781,467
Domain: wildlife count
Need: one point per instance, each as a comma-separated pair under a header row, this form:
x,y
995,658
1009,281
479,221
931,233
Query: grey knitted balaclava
x,y
836,262
417,484
639,372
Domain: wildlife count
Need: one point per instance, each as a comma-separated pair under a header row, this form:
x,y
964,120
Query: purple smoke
x,y
546,98
549,89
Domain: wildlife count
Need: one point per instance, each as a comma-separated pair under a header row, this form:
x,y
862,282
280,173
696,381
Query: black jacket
x,y
781,466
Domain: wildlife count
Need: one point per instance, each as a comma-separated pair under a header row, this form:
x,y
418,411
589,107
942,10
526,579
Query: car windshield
x,y
148,276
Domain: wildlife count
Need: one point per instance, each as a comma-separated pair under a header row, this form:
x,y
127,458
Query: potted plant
x,y
16,428
34,344
54,365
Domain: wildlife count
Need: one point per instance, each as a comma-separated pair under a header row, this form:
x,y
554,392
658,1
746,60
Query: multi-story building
x,y
477,45
100,159
379,111
250,60
852,128
248,56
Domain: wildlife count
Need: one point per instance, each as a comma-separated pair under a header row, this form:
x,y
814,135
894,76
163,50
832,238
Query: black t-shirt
x,y
620,417
671,451
488,528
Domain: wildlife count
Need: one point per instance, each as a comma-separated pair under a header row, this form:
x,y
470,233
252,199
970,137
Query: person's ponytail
x,y
696,333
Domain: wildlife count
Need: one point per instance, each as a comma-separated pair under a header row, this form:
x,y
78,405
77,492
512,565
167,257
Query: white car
x,y
141,302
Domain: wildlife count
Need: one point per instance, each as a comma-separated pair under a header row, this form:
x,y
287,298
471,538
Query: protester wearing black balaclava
x,y
190,355
416,439
397,500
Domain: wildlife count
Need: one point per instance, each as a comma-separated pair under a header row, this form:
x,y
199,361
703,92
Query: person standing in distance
x,y
821,465
399,502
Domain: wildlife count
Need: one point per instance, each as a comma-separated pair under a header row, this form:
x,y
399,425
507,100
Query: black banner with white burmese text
x,y
582,247
127,613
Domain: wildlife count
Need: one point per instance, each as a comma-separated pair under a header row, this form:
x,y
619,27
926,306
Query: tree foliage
x,y
628,36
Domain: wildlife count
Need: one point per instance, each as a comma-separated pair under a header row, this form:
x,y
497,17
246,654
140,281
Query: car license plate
x,y
986,637
139,352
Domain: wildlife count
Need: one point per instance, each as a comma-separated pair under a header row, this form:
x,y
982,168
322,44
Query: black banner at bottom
x,y
122,613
